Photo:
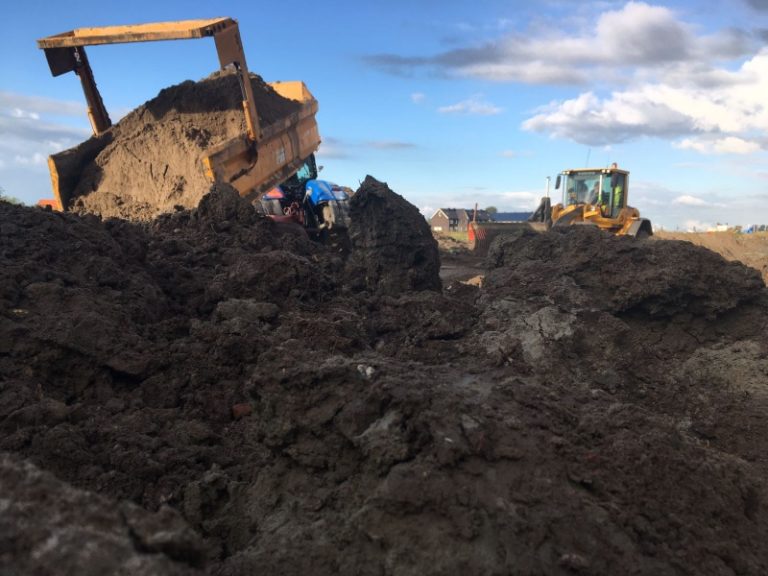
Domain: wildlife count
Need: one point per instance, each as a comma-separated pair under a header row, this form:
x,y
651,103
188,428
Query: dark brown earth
x,y
150,162
382,224
749,249
49,527
597,407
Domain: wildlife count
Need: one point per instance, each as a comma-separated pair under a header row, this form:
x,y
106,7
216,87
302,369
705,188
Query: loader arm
x,y
66,53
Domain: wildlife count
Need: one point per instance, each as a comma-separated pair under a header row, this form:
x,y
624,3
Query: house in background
x,y
456,219
447,220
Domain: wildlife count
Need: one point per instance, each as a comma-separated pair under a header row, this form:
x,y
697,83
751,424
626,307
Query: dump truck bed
x,y
230,127
284,145
168,152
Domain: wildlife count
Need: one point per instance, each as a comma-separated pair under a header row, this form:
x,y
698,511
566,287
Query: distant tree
x,y
5,198
491,209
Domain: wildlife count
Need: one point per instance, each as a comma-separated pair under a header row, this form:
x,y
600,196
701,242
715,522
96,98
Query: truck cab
x,y
303,198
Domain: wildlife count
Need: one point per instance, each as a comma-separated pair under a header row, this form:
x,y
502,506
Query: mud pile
x,y
749,249
592,270
69,531
151,161
598,407
394,250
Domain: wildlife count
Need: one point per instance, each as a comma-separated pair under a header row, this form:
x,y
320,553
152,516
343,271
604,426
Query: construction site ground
x,y
212,394
749,249
460,263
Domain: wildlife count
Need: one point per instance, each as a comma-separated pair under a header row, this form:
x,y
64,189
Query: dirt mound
x,y
583,267
452,245
151,161
49,527
749,249
393,248
556,421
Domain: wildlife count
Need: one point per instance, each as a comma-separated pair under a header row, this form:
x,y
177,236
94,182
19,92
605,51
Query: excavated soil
x,y
749,249
219,395
150,162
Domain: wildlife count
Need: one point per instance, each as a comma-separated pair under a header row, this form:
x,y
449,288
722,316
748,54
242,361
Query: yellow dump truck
x,y
590,196
253,162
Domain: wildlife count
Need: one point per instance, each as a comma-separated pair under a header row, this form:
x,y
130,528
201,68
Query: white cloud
x,y
19,113
509,154
28,137
522,200
389,144
427,211
688,200
600,45
332,148
758,4
41,132
418,97
668,79
640,33
341,149
474,105
24,105
710,203
467,196
526,72
32,128
724,121
696,225
31,160
728,145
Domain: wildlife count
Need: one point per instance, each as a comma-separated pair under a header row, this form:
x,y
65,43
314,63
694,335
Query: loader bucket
x,y
482,234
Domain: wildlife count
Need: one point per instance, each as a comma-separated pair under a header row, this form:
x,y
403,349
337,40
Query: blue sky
x,y
451,103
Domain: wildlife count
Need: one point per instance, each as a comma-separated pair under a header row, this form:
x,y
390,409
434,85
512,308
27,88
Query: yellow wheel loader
x,y
590,197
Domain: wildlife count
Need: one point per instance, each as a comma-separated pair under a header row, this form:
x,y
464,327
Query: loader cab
x,y
604,188
577,186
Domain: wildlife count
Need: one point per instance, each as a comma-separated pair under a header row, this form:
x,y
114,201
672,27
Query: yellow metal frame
x,y
176,30
65,52
285,144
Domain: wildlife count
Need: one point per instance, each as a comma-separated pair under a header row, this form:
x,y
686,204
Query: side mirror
x,y
320,168
557,183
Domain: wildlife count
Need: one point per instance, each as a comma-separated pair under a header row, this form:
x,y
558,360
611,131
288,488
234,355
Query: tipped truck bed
x,y
167,152
112,173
